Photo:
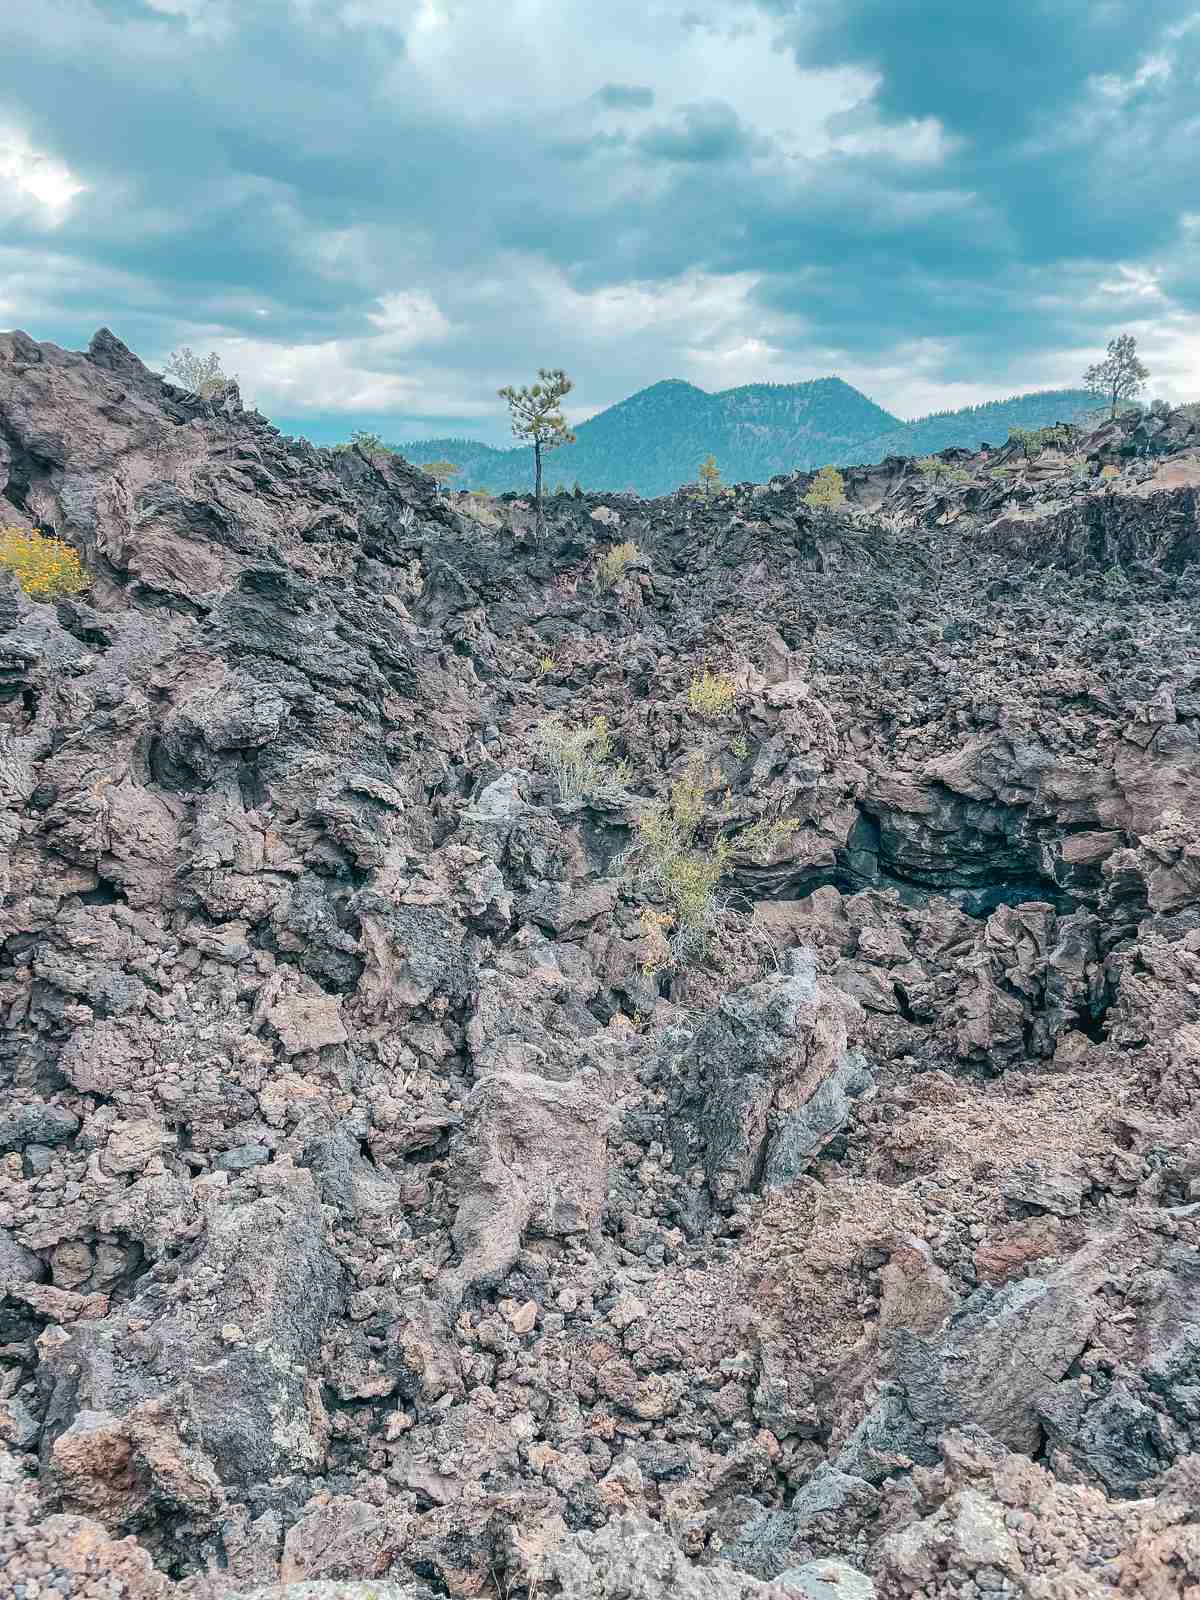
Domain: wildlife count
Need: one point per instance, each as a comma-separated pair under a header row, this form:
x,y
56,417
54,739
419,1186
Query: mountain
x,y
656,439
473,458
975,425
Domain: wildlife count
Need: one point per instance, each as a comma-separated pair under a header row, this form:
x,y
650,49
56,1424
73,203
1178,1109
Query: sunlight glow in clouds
x,y
35,176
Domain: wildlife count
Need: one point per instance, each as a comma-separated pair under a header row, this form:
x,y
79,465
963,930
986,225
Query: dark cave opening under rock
x,y
977,872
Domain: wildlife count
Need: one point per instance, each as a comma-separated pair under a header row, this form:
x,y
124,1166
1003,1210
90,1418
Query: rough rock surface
x,y
377,1218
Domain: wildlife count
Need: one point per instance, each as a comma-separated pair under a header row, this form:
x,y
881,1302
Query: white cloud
x,y
539,58
697,305
1113,104
1170,347
407,318
333,375
379,372
910,380
918,141
1116,90
36,182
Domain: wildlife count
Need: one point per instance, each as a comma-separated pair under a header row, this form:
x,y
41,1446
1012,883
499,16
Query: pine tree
x,y
1120,375
710,474
537,416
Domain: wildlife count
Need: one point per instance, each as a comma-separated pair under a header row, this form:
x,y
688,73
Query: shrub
x,y
201,375
670,856
544,666
761,839
711,695
668,859
610,569
370,443
45,567
689,886
477,503
1032,441
827,491
578,758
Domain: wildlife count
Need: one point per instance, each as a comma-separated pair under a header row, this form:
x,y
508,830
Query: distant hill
x,y
976,425
656,439
473,459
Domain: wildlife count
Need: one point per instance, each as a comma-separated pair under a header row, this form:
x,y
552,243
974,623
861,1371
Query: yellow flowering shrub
x,y
610,569
827,491
46,568
712,694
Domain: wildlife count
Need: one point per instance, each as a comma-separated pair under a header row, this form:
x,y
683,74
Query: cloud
x,y
708,131
399,205
34,179
407,318
625,96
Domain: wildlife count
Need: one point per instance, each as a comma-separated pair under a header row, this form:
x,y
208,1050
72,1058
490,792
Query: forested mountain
x,y
976,425
656,439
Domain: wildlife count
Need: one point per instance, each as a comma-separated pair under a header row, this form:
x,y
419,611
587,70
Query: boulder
x,y
766,1083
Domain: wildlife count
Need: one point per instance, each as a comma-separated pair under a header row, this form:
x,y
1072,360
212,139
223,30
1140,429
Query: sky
x,y
377,212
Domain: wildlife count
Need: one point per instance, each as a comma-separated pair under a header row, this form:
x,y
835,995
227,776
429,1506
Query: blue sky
x,y
379,211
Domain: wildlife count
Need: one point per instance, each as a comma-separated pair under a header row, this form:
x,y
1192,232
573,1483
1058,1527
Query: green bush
x,y
610,569
671,857
712,695
578,759
1032,441
827,491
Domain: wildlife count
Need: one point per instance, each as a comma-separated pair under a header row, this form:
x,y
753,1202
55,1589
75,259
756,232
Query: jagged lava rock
x,y
373,1209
